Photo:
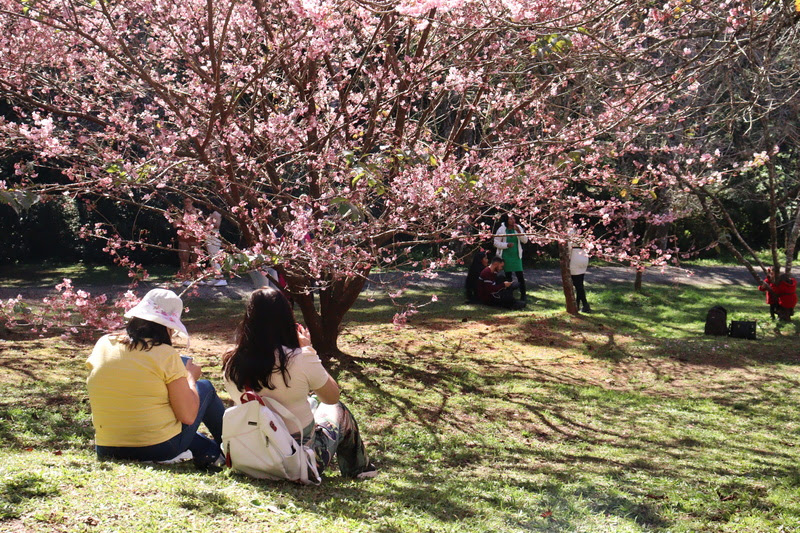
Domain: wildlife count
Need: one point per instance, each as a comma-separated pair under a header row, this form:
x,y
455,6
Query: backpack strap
x,y
250,395
276,406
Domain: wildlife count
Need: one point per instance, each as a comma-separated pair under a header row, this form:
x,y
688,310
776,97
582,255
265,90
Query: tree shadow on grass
x,y
543,430
416,494
15,491
558,499
50,415
206,502
426,417
689,459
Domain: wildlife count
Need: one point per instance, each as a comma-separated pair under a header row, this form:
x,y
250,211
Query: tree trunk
x,y
773,212
723,235
791,239
335,298
637,283
566,279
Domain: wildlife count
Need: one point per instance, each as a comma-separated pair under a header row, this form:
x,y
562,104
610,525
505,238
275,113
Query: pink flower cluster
x,y
69,312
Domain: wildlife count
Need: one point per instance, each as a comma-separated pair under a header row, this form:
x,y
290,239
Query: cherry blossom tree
x,y
339,135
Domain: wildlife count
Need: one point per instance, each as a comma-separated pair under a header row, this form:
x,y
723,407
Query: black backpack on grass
x,y
717,321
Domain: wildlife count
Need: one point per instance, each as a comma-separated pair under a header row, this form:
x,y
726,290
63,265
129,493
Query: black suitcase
x,y
743,329
717,321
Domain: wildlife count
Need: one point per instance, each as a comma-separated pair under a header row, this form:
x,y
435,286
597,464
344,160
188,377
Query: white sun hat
x,y
161,306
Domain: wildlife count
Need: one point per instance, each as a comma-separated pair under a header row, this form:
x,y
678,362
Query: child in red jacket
x,y
781,295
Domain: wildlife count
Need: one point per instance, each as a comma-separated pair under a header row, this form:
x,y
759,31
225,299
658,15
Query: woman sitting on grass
x,y
479,261
273,356
146,405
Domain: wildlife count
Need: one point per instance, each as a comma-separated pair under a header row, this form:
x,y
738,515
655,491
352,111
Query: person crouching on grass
x,y
494,289
781,295
146,405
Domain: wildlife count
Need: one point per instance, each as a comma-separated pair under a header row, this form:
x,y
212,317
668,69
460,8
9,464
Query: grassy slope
x,y
479,419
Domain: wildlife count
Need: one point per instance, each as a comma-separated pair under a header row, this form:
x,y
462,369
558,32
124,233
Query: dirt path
x,y
239,288
697,277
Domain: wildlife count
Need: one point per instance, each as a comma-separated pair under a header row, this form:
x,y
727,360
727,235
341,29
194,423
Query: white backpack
x,y
256,442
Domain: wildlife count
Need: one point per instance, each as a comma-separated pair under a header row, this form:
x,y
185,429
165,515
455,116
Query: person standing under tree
x,y
578,264
187,242
213,246
509,240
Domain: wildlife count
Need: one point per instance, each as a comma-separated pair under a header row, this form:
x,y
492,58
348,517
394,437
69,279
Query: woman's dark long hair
x,y
146,334
266,332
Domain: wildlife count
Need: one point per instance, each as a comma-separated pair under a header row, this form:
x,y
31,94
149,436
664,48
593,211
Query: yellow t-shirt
x,y
128,393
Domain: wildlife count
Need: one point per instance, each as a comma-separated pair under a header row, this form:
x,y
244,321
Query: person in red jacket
x,y
781,295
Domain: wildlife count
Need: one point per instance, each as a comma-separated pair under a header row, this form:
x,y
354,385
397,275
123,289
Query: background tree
x,y
730,141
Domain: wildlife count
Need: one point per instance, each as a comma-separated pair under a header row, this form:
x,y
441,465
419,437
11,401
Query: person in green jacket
x,y
508,240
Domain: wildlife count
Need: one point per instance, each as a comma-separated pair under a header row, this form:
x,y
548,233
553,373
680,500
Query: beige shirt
x,y
305,373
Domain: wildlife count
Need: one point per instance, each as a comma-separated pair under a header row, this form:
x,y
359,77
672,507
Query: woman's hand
x,y
303,337
194,370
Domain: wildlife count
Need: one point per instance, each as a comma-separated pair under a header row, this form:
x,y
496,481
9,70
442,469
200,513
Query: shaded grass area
x,y
50,274
479,419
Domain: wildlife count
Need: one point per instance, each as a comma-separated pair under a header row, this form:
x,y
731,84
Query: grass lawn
x,y
49,274
479,420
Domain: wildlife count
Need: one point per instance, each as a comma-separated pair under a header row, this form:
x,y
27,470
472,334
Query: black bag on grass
x,y
717,321
743,329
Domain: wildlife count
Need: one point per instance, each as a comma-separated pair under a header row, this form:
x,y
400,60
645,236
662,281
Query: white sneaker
x,y
218,283
181,457
368,473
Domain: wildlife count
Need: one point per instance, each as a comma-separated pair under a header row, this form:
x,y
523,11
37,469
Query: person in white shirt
x,y
578,264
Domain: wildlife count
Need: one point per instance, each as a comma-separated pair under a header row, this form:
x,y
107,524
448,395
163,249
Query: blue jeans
x,y
204,450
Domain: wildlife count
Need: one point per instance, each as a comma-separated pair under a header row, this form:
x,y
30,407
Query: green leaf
x,y
19,200
359,174
348,209
576,155
145,171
